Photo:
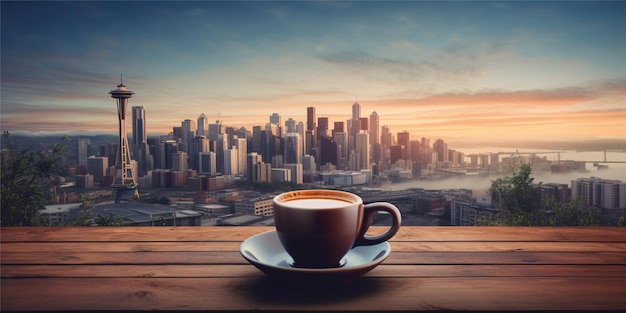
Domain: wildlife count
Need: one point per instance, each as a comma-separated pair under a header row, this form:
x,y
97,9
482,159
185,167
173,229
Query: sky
x,y
453,70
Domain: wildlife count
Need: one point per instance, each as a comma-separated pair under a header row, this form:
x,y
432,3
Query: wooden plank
x,y
401,246
262,293
245,270
232,257
240,233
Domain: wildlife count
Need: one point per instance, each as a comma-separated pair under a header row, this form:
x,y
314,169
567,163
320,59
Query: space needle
x,y
125,182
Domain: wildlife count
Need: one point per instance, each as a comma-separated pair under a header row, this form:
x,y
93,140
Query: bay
x,y
480,184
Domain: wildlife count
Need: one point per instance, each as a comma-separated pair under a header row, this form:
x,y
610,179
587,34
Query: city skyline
x,y
453,70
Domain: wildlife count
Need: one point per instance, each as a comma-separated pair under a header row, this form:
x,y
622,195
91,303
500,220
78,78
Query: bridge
x,y
558,153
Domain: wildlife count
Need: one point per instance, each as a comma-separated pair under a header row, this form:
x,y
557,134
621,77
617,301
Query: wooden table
x,y
200,268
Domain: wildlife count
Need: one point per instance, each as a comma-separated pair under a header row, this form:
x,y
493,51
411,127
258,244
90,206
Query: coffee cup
x,y
318,227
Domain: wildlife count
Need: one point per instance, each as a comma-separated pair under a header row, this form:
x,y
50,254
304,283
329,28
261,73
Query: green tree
x,y
519,204
518,198
25,175
572,214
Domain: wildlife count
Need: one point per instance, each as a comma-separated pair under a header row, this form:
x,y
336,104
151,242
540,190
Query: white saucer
x,y
265,251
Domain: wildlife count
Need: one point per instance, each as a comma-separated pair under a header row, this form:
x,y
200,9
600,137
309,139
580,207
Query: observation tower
x,y
125,183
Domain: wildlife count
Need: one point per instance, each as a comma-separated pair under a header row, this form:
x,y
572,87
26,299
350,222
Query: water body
x,y
480,184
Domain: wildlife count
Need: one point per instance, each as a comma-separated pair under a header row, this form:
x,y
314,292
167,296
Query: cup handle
x,y
368,214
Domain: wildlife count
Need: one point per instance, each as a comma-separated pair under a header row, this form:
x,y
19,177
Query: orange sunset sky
x,y
452,70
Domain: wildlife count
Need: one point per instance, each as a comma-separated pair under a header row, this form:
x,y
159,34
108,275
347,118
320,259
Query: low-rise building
x,y
256,206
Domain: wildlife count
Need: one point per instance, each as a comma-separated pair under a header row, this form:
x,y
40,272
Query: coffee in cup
x,y
318,227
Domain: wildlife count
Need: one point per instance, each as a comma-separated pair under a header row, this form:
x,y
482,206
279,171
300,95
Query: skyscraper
x,y
231,163
374,129
188,133
356,111
215,129
83,150
290,125
242,151
403,138
310,141
322,127
293,148
139,144
197,145
207,163
125,180
362,149
139,125
310,118
97,166
442,151
354,125
203,125
275,119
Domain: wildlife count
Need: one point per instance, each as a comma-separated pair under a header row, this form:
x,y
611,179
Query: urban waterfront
x,y
480,184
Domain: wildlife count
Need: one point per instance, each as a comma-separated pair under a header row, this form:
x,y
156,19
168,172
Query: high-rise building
x,y
600,193
139,125
258,171
230,162
328,151
354,125
293,148
363,124
82,150
220,147
196,146
188,133
296,172
442,152
310,142
309,165
374,129
403,138
257,140
275,119
215,129
338,128
310,118
322,127
203,125
180,162
126,182
97,166
356,111
301,129
140,150
242,151
341,138
290,125
208,163
363,151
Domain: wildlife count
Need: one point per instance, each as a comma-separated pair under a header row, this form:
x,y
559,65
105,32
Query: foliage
x,y
519,198
110,220
519,204
85,217
25,176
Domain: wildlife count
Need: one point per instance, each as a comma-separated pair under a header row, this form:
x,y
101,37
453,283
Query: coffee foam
x,y
315,203
317,194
